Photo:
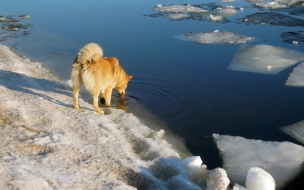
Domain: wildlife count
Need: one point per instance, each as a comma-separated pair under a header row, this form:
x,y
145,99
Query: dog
x,y
98,74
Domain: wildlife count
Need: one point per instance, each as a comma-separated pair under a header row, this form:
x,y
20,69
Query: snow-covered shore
x,y
46,144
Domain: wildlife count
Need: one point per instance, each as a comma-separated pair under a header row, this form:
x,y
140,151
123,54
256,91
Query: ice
x,y
239,187
265,59
217,179
179,8
46,144
258,179
178,16
295,130
282,160
226,11
279,4
218,37
290,37
296,77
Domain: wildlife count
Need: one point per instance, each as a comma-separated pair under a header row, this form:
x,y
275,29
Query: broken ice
x,y
296,77
296,131
217,37
265,59
282,160
179,8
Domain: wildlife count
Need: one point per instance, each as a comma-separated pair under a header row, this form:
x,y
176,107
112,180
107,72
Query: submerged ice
x,y
179,8
282,160
218,37
295,130
265,59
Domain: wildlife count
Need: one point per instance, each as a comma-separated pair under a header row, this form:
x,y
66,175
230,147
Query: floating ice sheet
x,y
297,36
179,8
295,130
272,18
296,77
218,37
226,11
178,15
279,4
282,160
265,59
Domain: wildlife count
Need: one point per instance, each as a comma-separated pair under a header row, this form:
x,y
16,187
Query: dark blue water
x,y
183,83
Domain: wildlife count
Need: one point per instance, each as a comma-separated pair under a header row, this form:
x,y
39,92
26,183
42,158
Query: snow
x,y
179,8
295,130
217,37
46,144
296,77
217,179
265,59
282,160
258,179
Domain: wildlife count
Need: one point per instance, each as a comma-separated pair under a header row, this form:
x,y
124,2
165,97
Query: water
x,y
182,84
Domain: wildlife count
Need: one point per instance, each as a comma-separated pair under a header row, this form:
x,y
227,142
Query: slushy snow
x,y
46,144
282,160
217,37
295,130
265,59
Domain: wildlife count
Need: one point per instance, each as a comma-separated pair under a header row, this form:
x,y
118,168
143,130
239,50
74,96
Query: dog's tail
x,y
91,52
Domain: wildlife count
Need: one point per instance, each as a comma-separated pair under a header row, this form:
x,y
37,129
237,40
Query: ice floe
x,y
282,160
218,37
272,18
295,130
226,11
265,59
179,8
296,77
279,4
290,37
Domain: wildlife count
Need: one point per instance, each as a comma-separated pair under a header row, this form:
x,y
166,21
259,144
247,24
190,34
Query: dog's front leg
x,y
107,96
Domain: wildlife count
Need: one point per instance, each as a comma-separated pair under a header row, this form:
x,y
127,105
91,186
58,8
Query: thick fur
x,y
98,74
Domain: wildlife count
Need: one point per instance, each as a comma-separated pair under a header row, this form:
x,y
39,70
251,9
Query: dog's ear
x,y
129,77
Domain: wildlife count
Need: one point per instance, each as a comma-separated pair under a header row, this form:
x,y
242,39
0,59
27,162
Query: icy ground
x,y
46,144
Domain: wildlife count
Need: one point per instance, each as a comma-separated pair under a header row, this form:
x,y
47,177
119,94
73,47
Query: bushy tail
x,y
91,52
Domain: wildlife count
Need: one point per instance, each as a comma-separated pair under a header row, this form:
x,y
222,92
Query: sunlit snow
x,y
218,37
46,144
265,59
282,160
295,130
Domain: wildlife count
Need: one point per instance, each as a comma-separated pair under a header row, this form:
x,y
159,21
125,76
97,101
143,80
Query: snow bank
x,y
265,59
179,8
217,37
296,77
46,144
282,160
295,130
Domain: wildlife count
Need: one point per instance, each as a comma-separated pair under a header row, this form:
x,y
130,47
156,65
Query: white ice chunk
x,y
265,59
192,163
226,11
296,131
216,17
179,8
258,179
282,160
217,179
178,15
239,187
296,77
218,37
270,5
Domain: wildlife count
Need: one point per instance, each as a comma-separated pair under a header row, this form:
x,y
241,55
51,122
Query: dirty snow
x,y
265,59
46,144
282,160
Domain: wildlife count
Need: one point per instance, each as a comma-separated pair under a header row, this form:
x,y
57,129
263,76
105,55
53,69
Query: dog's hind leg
x,y
76,92
95,95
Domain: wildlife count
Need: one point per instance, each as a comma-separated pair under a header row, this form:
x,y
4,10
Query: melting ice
x,y
296,77
282,160
295,130
179,8
217,37
265,59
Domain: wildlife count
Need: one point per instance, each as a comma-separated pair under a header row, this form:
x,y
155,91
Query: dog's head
x,y
122,86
